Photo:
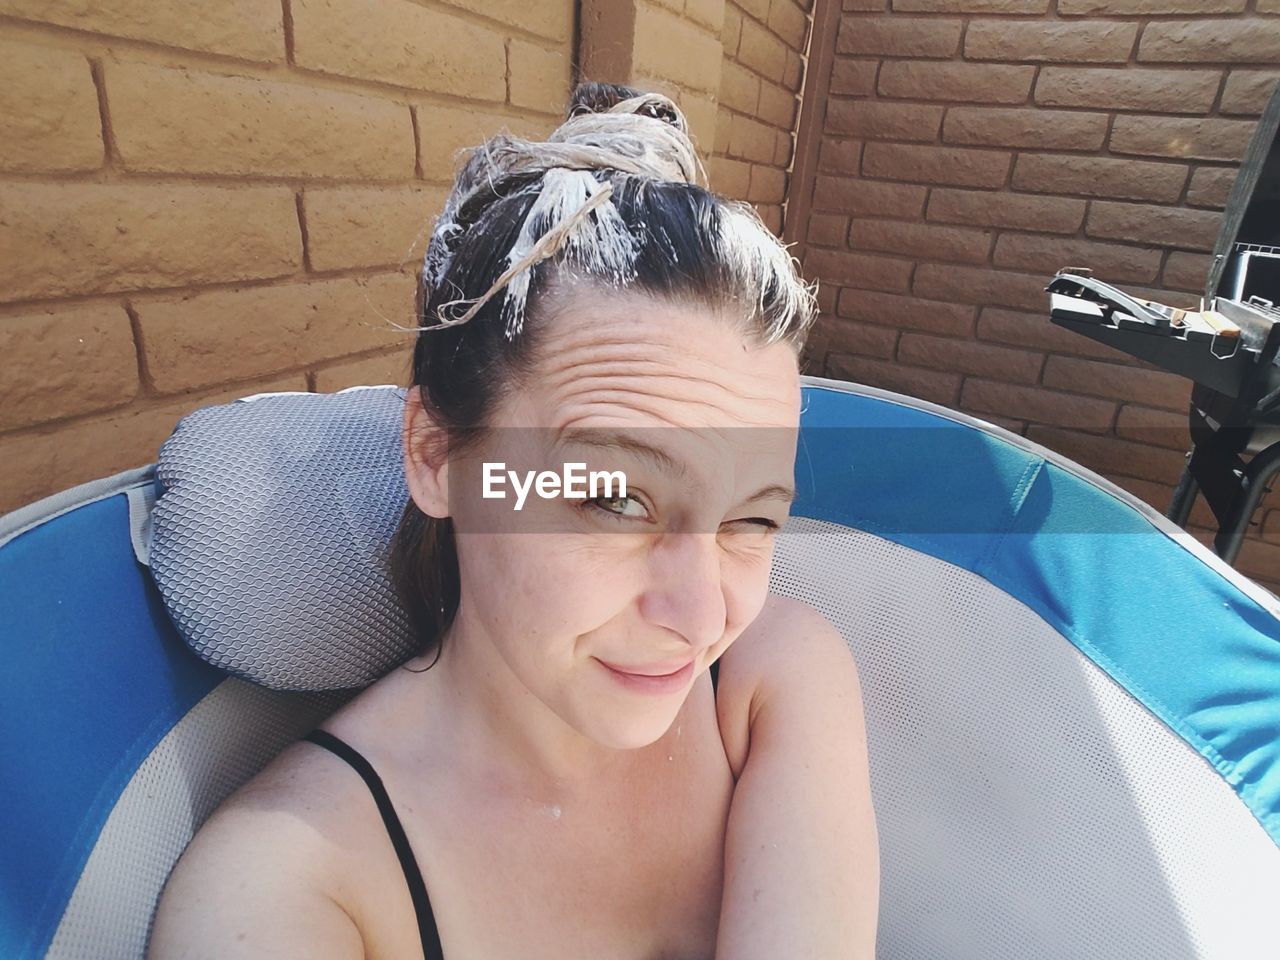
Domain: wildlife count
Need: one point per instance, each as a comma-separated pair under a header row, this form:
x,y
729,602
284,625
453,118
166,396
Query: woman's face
x,y
578,596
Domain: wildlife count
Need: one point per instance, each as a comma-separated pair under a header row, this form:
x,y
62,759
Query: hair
x,y
610,198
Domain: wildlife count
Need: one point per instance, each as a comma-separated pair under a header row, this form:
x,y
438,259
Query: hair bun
x,y
591,97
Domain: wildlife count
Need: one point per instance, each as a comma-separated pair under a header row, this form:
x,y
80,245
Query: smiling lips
x,y
656,670
644,680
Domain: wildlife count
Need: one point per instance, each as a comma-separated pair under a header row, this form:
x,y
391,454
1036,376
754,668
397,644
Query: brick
x,y
789,22
933,385
46,461
854,77
953,166
1128,88
731,33
793,73
863,270
1021,211
870,198
924,241
701,112
828,230
48,111
1031,128
1265,7
400,43
1161,428
882,120
201,339
1108,455
174,121
897,36
739,88
1195,138
707,13
731,178
446,133
771,214
958,82
1144,8
751,140
385,368
777,106
783,142
1114,261
1157,226
863,339
1186,271
539,78
827,298
249,29
909,313
670,47
1035,331
56,364
981,286
1099,177
552,19
768,185
368,227
840,156
971,6
756,8
1247,91
1037,405
1208,41
759,49
64,239
1118,381
866,6
1210,186
971,357
1101,41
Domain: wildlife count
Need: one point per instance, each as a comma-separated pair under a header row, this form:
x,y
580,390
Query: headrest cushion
x,y
270,532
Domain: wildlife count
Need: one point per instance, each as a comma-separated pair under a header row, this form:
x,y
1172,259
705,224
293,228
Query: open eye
x,y
606,505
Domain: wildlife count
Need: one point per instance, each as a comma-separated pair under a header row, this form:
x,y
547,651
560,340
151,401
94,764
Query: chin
x,y
642,732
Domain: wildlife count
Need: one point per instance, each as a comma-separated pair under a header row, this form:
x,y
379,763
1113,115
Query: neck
x,y
502,725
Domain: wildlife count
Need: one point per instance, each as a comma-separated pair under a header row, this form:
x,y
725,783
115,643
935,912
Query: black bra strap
x,y
431,947
715,675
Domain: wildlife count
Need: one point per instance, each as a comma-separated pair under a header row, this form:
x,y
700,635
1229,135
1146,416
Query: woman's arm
x,y
242,890
802,862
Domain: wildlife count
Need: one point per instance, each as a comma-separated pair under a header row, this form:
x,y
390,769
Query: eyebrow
x,y
617,440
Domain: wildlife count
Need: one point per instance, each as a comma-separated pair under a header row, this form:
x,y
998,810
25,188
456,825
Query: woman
x,y
615,742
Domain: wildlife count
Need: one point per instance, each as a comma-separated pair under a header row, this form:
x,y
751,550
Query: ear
x,y
426,457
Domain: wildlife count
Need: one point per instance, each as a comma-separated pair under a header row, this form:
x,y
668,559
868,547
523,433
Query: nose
x,y
687,593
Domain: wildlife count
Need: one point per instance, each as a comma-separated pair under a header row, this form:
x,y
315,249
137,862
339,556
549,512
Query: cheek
x,y
745,574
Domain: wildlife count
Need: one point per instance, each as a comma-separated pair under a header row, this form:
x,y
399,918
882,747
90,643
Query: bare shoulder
x,y
260,878
790,653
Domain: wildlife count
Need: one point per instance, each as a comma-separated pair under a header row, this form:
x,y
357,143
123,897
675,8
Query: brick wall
x,y
195,208
970,148
765,43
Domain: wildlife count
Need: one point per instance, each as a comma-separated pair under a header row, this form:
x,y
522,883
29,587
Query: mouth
x,y
651,678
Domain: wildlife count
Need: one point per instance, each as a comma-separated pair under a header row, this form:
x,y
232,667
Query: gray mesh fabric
x,y
269,533
223,741
1028,807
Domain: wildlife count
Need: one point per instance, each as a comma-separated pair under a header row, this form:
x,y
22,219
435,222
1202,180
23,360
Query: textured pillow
x,y
269,534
